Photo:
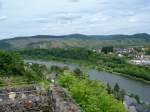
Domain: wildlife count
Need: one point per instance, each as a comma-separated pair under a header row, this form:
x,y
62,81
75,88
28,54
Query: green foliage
x,y
4,45
2,83
136,97
147,51
12,68
116,88
76,53
106,62
107,49
109,89
35,72
57,69
44,84
76,40
90,95
78,73
119,94
10,64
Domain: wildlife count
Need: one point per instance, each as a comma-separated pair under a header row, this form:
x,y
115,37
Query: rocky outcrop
x,y
62,102
24,99
36,99
133,106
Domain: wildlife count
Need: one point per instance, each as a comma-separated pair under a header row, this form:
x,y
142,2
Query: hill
x,y
75,40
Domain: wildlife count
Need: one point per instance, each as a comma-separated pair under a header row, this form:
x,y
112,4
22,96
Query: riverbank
x,y
131,86
100,61
130,77
89,65
127,76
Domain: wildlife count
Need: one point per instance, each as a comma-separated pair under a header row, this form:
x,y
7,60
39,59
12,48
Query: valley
x,y
78,66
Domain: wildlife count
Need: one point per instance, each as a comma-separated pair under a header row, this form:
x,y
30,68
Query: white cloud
x,y
95,19
31,17
2,18
132,19
40,20
74,0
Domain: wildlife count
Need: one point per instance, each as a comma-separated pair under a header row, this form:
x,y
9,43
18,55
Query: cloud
x,y
74,0
132,20
74,16
40,19
68,16
3,18
0,4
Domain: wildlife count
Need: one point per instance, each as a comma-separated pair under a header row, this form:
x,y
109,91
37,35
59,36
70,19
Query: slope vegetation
x,y
76,40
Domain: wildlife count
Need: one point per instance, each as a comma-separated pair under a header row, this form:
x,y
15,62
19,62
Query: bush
x,y
90,95
11,64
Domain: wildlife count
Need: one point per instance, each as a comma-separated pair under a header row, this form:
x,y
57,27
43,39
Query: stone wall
x,y
62,102
35,99
24,99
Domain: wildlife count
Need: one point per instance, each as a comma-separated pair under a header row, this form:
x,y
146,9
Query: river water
x,y
130,86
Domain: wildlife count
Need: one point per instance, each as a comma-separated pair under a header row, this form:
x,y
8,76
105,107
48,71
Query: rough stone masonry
x,y
35,99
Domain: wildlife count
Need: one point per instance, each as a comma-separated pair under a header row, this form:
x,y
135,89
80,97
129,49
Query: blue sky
x,y
59,17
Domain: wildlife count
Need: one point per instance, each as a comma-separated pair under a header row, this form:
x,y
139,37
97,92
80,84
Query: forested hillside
x,y
76,40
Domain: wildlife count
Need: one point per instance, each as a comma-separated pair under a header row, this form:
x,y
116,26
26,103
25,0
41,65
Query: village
x,y
138,56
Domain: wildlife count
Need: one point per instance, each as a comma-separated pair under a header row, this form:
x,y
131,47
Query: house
x,y
124,50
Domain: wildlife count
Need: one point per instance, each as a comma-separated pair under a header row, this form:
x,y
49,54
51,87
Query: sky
x,y
61,17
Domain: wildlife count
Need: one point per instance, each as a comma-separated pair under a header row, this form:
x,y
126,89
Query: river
x,y
130,86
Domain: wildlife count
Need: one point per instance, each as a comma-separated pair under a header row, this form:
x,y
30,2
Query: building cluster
x,y
138,57
141,60
97,50
118,50
124,50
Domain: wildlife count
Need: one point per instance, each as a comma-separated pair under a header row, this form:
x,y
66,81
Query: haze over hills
x,y
75,40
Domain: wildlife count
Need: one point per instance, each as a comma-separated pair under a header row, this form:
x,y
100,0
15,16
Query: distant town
x,y
138,56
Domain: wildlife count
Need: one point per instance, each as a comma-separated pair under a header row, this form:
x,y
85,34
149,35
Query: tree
x,y
92,96
136,97
121,95
78,72
110,91
147,51
107,49
57,69
116,88
11,64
